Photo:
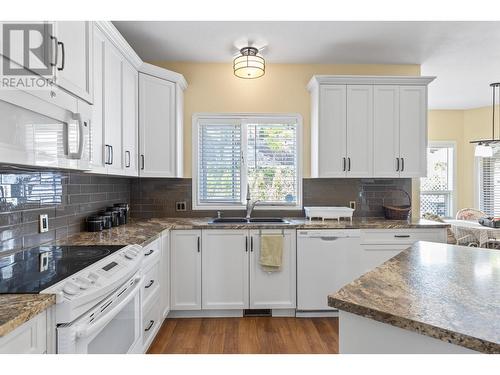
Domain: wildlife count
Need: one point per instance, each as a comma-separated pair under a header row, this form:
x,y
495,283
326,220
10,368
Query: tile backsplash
x,y
67,198
156,197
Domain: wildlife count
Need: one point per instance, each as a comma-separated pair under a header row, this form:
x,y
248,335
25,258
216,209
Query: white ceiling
x,y
465,56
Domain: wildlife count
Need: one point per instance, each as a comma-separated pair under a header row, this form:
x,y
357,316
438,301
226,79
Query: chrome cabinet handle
x,y
63,62
149,253
112,155
343,164
142,161
78,154
330,238
108,154
251,244
246,244
56,45
151,282
151,322
349,164
198,244
402,236
402,164
127,160
397,164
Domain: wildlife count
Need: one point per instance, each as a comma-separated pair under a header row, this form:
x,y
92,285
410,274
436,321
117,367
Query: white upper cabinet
x,y
386,131
130,119
413,131
160,122
359,131
363,126
331,135
74,57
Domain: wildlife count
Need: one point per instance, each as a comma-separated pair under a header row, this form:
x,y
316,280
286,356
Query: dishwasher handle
x,y
327,238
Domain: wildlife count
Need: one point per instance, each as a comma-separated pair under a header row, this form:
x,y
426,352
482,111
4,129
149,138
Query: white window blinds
x,y
233,152
272,162
489,183
219,163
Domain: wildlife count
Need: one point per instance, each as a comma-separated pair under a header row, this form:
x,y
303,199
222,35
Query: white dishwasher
x,y
326,261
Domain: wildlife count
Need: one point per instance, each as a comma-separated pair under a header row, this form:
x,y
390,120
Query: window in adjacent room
x,y
489,183
437,189
232,152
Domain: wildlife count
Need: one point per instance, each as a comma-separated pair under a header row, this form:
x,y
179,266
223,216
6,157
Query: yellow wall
x,y
462,126
212,87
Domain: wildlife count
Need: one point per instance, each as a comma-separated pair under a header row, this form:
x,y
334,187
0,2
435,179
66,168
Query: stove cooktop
x,y
33,270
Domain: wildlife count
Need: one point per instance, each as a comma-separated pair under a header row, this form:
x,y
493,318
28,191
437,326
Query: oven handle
x,y
89,329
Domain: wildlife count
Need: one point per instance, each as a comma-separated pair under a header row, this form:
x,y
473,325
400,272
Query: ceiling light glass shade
x,y
248,64
484,151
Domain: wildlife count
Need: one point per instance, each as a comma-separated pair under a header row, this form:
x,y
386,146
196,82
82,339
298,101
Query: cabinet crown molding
x,y
317,80
112,33
163,73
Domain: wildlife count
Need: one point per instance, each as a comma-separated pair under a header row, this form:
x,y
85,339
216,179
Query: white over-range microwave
x,y
42,130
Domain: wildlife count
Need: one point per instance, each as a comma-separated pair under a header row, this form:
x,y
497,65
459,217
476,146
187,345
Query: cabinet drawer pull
x,y
151,323
149,253
402,235
151,282
328,238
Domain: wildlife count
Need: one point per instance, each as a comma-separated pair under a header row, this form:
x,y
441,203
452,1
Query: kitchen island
x,y
430,298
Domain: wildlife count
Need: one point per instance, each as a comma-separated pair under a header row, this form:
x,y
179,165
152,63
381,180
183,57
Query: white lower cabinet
x,y
224,269
29,338
273,290
185,279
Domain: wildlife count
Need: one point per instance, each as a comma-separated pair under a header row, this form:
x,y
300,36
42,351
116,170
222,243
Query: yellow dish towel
x,y
271,252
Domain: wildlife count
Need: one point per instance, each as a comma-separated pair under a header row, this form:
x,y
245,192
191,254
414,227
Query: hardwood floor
x,y
250,335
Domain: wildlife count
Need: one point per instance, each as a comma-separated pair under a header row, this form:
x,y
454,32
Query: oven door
x,y
112,327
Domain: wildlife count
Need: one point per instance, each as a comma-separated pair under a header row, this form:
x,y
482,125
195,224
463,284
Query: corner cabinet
x,y
368,126
160,122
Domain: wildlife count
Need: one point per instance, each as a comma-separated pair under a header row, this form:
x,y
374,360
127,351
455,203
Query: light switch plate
x,y
44,223
352,204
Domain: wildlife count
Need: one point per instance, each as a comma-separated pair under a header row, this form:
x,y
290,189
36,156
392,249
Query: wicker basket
x,y
398,212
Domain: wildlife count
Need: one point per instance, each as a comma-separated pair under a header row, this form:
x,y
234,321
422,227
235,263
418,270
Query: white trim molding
x,y
163,73
112,33
368,80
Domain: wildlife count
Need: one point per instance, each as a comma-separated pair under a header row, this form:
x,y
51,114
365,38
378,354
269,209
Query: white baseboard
x,y
205,314
283,312
317,314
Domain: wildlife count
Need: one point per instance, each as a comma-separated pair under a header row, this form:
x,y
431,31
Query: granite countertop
x,y
16,309
142,232
443,291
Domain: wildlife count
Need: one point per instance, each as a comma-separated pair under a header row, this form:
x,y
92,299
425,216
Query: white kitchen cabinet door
x,y
386,131
165,273
373,256
359,131
130,119
225,269
29,338
157,127
113,109
413,131
273,290
97,157
185,279
332,131
74,65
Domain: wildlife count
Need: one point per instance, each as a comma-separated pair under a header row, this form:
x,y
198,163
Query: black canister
x,y
115,221
121,215
107,219
95,223
125,208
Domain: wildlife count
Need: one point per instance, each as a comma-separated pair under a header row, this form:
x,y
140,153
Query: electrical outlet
x,y
180,206
44,223
352,204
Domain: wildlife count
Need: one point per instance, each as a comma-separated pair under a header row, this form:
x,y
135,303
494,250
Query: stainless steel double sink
x,y
253,220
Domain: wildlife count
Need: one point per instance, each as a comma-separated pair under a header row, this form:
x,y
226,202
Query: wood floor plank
x,y
248,335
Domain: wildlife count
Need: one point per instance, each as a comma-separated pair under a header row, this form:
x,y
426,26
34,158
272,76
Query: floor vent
x,y
257,312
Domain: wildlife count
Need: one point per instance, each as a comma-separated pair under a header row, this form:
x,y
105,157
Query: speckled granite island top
x,y
451,293
144,231
15,309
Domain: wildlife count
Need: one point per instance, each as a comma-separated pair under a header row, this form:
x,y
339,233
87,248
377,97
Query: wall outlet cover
x,y
44,223
352,204
180,206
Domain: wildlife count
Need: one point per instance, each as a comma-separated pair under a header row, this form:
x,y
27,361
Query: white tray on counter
x,y
329,213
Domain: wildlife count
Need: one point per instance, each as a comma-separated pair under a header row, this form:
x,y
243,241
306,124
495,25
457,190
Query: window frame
x,y
453,192
477,181
244,119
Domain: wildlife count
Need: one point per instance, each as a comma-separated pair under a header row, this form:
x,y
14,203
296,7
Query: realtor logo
x,y
27,49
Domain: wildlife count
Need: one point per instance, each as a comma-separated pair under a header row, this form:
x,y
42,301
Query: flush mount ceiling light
x,y
249,64
483,146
